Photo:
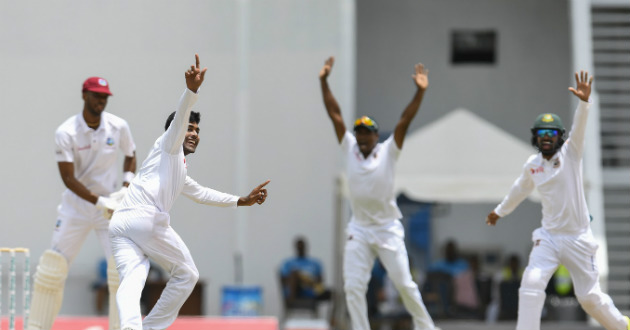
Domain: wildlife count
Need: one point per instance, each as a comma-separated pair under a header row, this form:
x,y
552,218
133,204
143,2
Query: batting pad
x,y
113,282
48,286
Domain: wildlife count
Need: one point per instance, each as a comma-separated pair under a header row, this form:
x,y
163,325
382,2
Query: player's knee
x,y
403,281
525,293
589,301
533,281
354,288
52,270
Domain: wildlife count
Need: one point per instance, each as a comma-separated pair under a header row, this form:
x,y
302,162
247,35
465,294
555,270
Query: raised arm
x,y
421,79
176,132
582,90
332,107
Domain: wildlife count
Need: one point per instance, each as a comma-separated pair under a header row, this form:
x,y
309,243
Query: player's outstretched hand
x,y
492,218
421,76
323,74
194,76
257,196
583,86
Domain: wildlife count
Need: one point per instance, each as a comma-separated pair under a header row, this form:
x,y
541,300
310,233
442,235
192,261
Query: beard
x,y
551,151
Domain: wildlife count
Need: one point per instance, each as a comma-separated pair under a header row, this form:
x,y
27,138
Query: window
x,y
473,47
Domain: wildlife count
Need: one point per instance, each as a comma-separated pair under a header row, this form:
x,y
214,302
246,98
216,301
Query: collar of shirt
x,y
372,154
83,126
540,160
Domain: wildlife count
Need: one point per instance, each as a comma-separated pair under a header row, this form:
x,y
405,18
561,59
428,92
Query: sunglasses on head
x,y
547,132
365,121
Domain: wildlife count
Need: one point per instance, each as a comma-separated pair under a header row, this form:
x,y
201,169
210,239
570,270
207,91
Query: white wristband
x,y
128,176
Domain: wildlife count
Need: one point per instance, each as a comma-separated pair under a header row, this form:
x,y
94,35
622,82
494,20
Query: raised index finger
x,y
263,184
197,60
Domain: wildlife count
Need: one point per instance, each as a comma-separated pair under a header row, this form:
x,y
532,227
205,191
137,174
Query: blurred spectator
x,y
99,286
504,305
302,279
452,264
464,299
560,283
385,307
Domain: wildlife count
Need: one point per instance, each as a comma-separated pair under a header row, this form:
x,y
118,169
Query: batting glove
x,y
107,205
119,195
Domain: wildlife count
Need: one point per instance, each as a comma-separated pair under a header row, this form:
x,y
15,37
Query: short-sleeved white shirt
x,y
94,152
371,181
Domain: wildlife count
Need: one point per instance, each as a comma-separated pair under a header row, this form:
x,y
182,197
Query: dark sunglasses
x,y
546,132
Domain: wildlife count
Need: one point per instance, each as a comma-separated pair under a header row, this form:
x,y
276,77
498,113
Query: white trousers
x,y
386,242
76,217
577,254
136,236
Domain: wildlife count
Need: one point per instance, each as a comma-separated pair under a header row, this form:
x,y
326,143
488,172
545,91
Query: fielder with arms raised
x,y
87,154
140,229
565,236
375,229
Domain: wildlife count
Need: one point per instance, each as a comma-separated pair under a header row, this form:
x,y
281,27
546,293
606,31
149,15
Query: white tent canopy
x,y
460,158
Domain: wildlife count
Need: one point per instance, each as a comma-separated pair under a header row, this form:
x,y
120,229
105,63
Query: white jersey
x,y
371,181
559,182
94,152
162,177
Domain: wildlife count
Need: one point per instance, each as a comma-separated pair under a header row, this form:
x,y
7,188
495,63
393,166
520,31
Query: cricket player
x,y
565,236
140,229
86,152
375,229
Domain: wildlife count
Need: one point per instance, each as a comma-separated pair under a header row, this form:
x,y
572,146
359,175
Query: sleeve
x,y
575,141
63,147
319,267
204,195
392,147
176,132
348,142
522,187
127,145
285,268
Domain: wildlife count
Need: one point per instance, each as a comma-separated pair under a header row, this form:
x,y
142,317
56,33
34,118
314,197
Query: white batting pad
x,y
48,286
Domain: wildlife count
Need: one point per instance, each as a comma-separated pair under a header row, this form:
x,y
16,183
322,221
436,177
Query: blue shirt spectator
x,y
452,264
301,275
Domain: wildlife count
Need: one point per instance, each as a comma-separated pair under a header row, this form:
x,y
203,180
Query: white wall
x,y
529,77
143,48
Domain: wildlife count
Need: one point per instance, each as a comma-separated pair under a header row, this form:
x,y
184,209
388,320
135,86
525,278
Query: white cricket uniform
x,y
140,228
565,236
94,154
375,231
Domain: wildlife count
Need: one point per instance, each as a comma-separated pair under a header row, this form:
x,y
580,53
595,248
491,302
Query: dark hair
x,y
195,117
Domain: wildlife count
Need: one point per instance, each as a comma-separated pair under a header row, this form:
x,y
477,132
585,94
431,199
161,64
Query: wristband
x,y
128,176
